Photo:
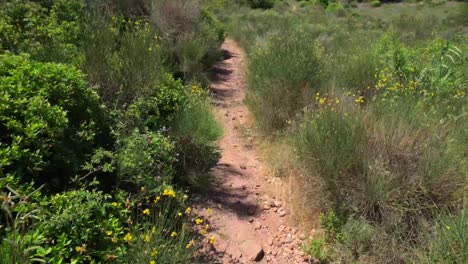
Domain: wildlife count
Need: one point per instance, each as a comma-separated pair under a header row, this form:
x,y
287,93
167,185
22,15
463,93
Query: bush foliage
x,y
98,123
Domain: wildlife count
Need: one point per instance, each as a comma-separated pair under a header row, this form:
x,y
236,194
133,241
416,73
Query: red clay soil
x,y
248,226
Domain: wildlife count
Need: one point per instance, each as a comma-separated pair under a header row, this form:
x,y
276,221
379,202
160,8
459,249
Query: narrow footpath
x,y
247,225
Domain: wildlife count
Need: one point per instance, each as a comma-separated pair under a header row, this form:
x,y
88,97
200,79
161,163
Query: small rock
x,y
251,220
221,246
270,241
278,203
271,202
252,250
257,185
281,213
243,167
266,207
302,236
244,187
257,225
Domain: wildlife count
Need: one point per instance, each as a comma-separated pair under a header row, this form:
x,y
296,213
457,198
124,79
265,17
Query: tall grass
x,y
379,118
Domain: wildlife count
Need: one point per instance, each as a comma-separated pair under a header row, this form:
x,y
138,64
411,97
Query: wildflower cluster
x,y
326,102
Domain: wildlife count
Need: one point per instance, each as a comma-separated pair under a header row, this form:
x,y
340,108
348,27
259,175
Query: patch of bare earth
x,y
248,225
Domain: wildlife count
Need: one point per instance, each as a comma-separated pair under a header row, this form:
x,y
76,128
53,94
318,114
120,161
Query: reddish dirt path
x,y
248,225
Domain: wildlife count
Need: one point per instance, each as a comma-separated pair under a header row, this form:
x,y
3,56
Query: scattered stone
x,y
252,250
251,220
281,213
266,207
236,254
270,241
243,167
221,246
257,225
244,187
270,202
278,203
257,185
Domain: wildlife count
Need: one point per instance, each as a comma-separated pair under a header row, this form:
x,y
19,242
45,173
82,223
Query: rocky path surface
x,y
248,225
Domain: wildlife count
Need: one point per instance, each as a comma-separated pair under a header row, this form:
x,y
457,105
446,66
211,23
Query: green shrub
x,y
89,227
195,132
145,160
48,30
336,8
50,120
123,59
375,3
157,110
319,249
281,73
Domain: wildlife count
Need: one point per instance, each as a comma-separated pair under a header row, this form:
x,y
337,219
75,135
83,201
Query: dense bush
x,y
51,121
113,145
47,30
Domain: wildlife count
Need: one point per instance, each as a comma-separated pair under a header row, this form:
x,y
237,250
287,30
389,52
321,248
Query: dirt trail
x,y
248,225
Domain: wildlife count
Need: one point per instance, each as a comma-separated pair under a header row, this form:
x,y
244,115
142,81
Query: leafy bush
x,y
50,120
375,3
47,30
145,160
195,130
88,226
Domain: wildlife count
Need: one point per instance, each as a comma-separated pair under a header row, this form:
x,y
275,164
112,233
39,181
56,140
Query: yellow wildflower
x,y
169,192
209,210
115,204
147,238
128,238
153,230
152,262
109,233
173,234
198,221
114,240
157,199
154,253
359,100
81,249
185,197
203,232
146,211
190,244
179,214
207,227
142,189
212,240
188,210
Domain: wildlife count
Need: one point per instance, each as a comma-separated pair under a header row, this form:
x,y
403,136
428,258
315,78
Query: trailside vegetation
x,y
105,126
372,103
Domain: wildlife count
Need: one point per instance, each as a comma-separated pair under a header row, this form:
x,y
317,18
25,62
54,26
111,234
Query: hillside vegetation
x,y
105,124
368,105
